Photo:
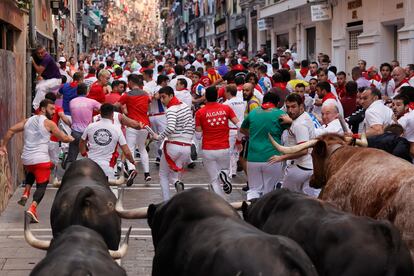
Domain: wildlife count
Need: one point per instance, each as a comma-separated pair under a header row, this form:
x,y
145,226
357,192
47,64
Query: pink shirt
x,y
81,109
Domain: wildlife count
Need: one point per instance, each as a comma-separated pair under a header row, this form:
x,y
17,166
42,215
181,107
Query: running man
x,y
212,122
178,137
35,156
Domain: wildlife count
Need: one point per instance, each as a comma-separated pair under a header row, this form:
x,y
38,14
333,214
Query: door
x,y
352,52
311,44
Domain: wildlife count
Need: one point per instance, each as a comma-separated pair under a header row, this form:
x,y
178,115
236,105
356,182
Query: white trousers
x,y
158,125
263,178
297,180
234,153
137,137
215,161
43,87
180,155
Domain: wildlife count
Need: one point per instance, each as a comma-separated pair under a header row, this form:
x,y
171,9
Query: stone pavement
x,y
18,258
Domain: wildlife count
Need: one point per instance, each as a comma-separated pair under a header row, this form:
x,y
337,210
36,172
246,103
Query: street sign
x,y
321,12
265,24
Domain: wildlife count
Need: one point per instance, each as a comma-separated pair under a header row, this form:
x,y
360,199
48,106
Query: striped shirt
x,y
180,124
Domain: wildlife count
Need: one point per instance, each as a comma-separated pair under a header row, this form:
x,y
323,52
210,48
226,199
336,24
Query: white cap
x,y
288,51
62,59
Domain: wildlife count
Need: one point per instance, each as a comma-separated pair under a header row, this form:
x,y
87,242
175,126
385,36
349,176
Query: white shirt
x,y
102,138
36,141
332,77
301,130
173,82
185,97
332,127
89,81
198,64
378,114
258,95
387,88
238,106
407,122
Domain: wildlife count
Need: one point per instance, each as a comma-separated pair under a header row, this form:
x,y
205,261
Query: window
x,y
353,39
311,43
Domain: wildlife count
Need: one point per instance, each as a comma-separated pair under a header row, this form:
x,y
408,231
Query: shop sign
x,y
321,12
265,24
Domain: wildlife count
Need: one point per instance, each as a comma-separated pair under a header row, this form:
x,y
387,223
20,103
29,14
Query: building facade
x,y
347,30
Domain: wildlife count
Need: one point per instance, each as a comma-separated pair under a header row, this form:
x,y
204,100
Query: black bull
x,y
84,198
78,251
198,233
338,243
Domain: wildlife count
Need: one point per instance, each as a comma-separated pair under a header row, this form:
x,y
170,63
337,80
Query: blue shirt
x,y
68,93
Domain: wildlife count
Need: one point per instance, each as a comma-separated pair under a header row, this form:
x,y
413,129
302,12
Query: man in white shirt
x,y
199,62
239,106
387,82
179,71
377,115
330,119
182,93
102,138
299,165
400,79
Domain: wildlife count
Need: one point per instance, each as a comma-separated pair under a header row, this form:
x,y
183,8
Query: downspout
x,y
30,48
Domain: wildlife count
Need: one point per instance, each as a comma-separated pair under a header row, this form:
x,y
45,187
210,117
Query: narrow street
x,y
18,258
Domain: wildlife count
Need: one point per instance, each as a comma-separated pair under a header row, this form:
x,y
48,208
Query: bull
x,y
198,233
84,198
338,243
364,181
77,251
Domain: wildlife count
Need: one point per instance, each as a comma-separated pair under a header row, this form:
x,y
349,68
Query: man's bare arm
x,y
60,135
19,127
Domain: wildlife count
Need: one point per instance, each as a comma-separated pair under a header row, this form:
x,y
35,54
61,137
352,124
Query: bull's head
x,y
323,147
44,245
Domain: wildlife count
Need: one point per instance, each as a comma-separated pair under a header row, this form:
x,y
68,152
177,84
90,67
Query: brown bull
x,y
364,181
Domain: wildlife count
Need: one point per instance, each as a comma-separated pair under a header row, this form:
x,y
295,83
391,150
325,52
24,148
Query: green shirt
x,y
260,122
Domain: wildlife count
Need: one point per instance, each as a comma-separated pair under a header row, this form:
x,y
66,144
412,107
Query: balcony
x,y
279,6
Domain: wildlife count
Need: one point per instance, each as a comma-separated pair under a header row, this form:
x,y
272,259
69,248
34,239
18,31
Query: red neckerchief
x,y
401,83
142,69
286,66
173,101
304,72
237,67
181,89
89,76
266,106
281,85
328,96
200,60
74,84
170,71
411,105
313,74
117,77
386,80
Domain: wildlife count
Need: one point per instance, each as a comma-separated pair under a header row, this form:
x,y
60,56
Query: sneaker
x,y
147,177
24,197
227,187
191,165
246,188
23,200
137,154
33,214
131,176
157,161
179,186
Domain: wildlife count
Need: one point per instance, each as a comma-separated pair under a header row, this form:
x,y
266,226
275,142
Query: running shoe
x,y
157,161
179,186
147,177
24,197
33,214
131,176
227,187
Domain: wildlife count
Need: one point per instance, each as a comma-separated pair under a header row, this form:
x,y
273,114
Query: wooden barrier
x,y
12,110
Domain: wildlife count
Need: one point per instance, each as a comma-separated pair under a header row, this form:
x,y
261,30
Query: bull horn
x,y
120,253
30,238
293,149
363,142
138,213
238,205
119,181
57,182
